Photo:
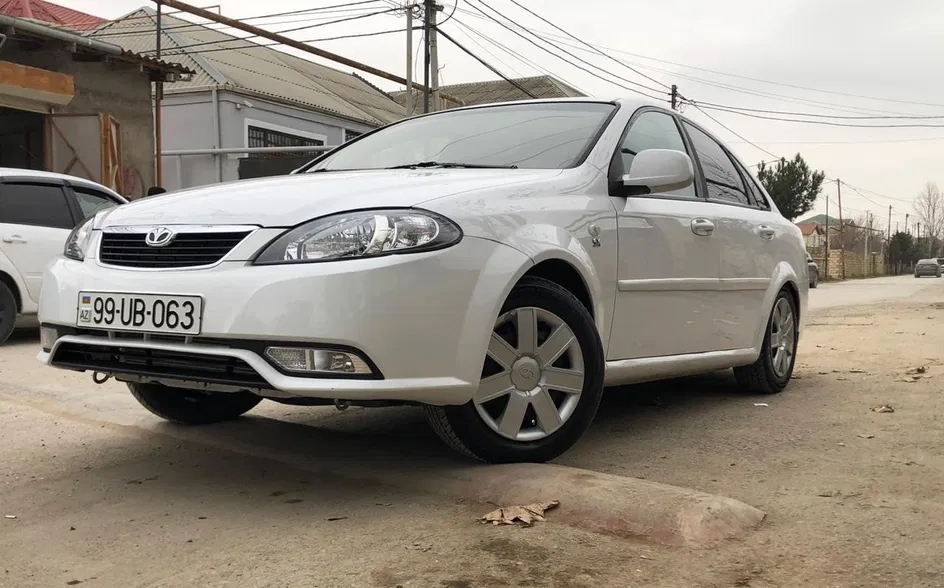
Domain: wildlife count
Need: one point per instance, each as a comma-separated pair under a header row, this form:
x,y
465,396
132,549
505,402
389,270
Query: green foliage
x,y
793,186
903,250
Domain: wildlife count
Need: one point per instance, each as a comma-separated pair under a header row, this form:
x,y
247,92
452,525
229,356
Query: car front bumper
x,y
927,271
421,321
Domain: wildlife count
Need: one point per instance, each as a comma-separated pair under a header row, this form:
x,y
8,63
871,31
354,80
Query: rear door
x,y
668,256
751,237
35,220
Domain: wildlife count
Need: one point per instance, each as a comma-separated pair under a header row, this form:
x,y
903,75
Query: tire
x,y
815,281
8,312
763,376
473,428
193,407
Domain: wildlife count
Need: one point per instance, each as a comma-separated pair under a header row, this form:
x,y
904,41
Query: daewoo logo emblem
x,y
159,237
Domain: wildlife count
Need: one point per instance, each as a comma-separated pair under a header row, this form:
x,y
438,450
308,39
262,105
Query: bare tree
x,y
929,210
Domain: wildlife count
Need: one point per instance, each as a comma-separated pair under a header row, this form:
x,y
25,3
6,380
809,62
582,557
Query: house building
x,y
244,94
491,91
78,106
814,234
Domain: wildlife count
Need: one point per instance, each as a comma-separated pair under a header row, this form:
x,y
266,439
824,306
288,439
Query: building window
x,y
349,134
259,137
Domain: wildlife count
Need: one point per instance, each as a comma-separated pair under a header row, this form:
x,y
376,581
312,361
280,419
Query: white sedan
x,y
497,265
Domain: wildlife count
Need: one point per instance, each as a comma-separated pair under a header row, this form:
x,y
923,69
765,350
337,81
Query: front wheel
x,y
541,384
815,281
193,407
773,369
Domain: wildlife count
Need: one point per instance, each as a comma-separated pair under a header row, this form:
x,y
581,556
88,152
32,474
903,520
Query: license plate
x,y
152,313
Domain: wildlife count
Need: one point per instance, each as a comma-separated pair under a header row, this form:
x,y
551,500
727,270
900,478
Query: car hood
x,y
286,201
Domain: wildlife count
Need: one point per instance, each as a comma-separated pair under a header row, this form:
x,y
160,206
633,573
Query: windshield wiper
x,y
445,164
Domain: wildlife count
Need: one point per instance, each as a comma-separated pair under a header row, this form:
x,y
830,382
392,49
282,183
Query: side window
x,y
754,191
40,205
91,201
652,130
724,181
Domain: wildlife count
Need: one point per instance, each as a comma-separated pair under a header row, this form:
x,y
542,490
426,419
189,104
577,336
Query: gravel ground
x,y
106,495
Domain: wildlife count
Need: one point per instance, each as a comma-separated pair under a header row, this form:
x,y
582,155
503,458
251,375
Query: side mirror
x,y
660,170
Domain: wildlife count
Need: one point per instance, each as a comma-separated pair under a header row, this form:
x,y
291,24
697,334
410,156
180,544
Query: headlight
x,y
360,234
78,241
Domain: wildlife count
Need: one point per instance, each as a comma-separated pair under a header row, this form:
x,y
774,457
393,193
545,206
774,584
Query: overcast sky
x,y
849,51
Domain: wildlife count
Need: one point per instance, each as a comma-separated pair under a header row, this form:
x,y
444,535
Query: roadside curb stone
x,y
595,501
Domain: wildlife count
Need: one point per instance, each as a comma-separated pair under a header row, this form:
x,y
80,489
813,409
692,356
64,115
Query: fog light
x,y
318,361
48,337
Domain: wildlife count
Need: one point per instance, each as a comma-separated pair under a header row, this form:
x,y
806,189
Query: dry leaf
x,y
857,371
883,408
865,436
526,514
921,369
910,379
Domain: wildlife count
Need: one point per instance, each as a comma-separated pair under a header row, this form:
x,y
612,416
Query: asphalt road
x,y
95,491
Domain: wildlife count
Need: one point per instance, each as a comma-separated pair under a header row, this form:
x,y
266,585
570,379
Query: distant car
x,y
813,271
928,267
38,210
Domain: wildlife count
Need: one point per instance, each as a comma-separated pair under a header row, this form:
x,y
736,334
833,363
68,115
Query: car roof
x,y
631,102
45,175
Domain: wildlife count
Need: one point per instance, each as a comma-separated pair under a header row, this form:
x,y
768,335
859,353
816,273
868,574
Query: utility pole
x,y
158,97
433,56
906,222
427,20
889,223
828,227
842,246
409,57
674,97
868,238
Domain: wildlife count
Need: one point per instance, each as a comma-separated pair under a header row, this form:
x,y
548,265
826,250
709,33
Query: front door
x,y
35,221
668,257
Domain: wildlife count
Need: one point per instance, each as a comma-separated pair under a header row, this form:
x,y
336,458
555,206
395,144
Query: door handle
x,y
14,239
766,232
702,227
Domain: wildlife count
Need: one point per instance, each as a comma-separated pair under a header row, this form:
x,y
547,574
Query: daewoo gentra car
x,y
497,265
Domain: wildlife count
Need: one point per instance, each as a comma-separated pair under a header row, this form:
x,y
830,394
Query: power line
x,y
581,41
743,77
735,133
483,62
514,53
193,25
254,45
816,115
185,48
823,122
545,49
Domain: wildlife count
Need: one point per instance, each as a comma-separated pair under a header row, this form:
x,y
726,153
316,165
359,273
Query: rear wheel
x,y
814,282
541,383
193,407
8,312
773,369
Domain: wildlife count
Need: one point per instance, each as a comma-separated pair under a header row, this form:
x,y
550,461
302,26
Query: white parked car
x,y
497,265
37,212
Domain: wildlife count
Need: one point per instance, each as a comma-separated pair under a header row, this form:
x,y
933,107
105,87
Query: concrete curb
x,y
594,501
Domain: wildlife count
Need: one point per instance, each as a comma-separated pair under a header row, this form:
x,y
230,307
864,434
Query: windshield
x,y
548,135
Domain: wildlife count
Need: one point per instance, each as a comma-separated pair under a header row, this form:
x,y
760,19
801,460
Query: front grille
x,y
157,363
185,250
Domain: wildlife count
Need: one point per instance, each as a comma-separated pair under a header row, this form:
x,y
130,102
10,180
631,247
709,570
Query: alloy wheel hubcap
x,y
533,375
782,337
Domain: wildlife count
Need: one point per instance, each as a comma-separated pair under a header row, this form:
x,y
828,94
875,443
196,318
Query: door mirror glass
x,y
660,170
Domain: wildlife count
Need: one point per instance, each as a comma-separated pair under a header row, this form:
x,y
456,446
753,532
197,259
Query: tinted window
x,y
91,201
550,135
35,204
652,130
724,182
755,193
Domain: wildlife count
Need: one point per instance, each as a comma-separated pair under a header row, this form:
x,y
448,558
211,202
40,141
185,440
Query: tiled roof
x,y
51,13
810,228
224,60
492,91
